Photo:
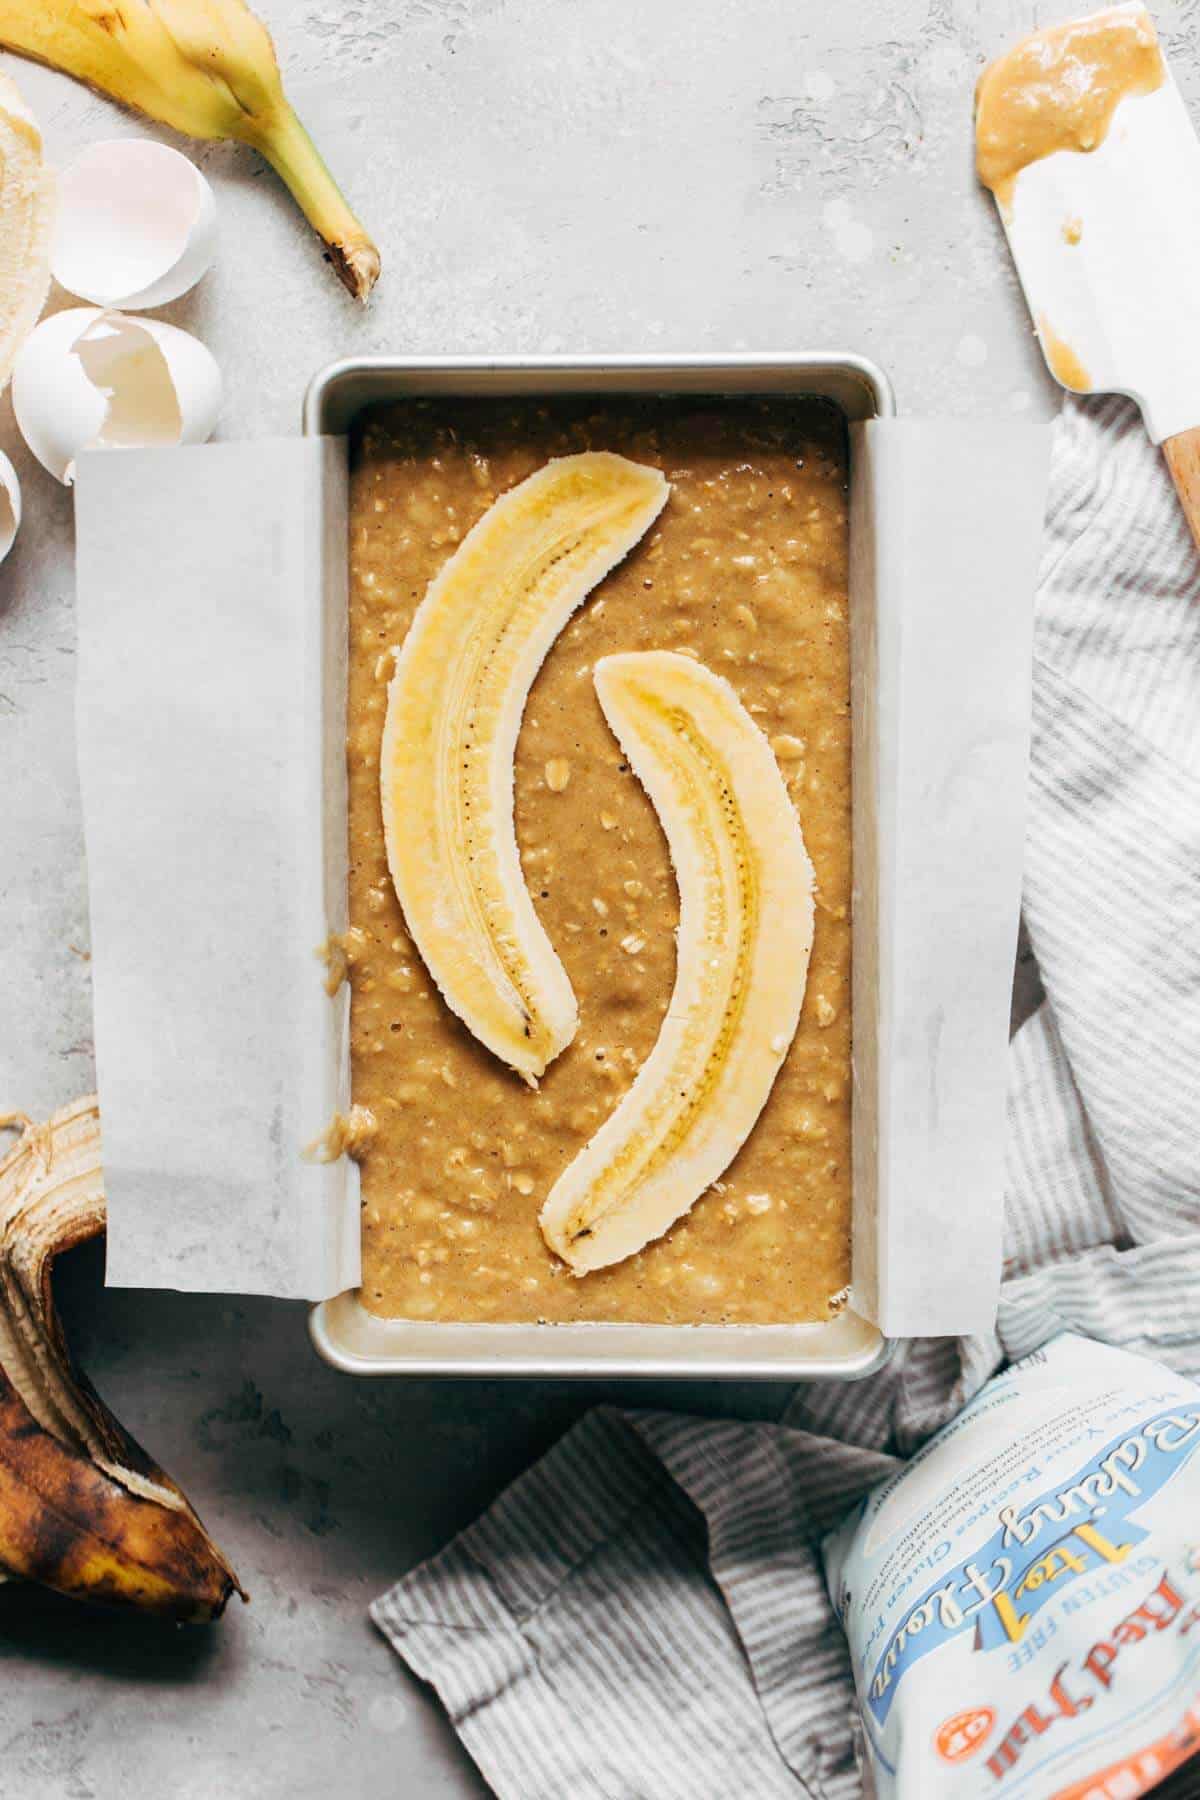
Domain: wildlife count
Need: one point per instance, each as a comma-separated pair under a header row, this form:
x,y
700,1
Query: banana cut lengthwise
x,y
454,709
207,68
745,933
26,215
83,1509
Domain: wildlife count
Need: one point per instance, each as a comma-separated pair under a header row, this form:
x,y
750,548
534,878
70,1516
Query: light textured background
x,y
594,175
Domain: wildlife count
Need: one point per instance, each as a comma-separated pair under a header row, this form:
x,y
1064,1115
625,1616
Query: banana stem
x,y
295,158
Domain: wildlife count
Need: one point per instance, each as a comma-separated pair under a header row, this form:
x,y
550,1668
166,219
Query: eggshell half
x,y
88,379
136,225
10,506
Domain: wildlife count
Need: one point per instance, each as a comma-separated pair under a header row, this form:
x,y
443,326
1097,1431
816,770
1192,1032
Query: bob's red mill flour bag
x,y
1023,1601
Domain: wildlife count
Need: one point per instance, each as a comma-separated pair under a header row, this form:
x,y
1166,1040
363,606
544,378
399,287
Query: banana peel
x,y
83,1509
206,68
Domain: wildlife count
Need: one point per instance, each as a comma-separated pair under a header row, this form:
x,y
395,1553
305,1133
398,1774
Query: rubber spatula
x,y
1106,239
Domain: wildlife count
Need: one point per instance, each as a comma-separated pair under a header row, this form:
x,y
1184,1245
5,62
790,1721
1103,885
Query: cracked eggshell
x,y
10,506
136,225
88,379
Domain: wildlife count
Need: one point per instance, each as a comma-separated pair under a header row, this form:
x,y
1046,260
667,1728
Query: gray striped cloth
x,y
643,1615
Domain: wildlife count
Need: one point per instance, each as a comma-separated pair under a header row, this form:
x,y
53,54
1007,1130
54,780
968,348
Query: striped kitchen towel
x,y
643,1615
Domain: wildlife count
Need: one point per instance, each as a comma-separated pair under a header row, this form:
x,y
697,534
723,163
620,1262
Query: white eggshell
x,y
10,506
88,379
136,225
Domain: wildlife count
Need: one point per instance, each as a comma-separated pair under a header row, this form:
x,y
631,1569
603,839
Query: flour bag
x,y
1023,1601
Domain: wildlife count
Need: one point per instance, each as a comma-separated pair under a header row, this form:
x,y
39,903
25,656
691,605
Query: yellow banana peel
x,y
83,1509
204,67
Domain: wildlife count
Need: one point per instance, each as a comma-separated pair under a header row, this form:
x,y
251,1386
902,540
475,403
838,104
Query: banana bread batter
x,y
746,568
1059,89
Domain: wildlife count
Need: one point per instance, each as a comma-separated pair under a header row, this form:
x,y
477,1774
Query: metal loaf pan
x,y
847,1347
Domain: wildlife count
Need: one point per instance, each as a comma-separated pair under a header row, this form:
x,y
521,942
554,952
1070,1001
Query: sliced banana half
x,y
745,934
455,702
26,218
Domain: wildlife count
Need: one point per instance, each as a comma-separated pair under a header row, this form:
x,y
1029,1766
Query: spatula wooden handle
x,y
1183,459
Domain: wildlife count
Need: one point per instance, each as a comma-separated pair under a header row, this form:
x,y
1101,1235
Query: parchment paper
x,y
945,528
211,701
208,579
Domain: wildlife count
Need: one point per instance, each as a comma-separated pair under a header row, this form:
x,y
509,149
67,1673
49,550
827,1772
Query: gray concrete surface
x,y
598,175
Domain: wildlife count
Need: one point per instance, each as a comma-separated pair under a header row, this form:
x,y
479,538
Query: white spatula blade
x,y
1124,298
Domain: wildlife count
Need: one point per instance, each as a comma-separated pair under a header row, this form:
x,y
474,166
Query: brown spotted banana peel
x,y
83,1509
454,709
26,215
207,68
745,933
